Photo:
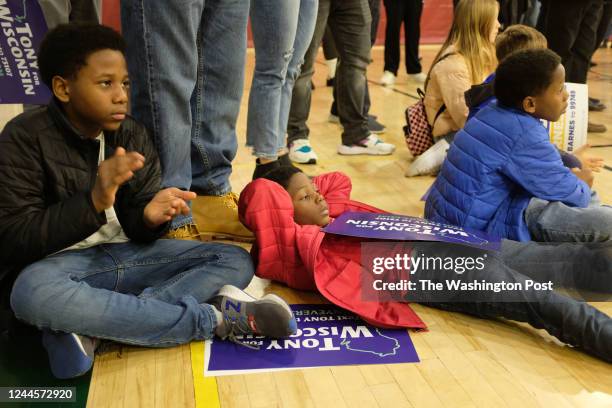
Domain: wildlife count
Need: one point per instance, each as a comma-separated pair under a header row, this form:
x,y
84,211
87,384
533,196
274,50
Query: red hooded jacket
x,y
304,257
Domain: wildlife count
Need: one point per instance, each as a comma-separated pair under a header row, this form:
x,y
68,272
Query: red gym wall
x,y
436,20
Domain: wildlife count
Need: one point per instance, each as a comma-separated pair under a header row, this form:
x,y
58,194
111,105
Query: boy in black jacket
x,y
80,217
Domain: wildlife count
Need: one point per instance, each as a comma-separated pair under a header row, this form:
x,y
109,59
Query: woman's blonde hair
x,y
469,33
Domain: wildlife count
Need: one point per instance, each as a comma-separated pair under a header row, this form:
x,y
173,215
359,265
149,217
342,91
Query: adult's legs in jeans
x,y
141,294
302,92
218,93
274,25
304,33
557,222
349,22
163,61
571,321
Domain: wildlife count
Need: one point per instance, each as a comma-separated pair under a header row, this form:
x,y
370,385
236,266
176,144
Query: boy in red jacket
x,y
286,211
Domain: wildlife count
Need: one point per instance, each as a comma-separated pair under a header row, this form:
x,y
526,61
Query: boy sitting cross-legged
x,y
502,175
81,212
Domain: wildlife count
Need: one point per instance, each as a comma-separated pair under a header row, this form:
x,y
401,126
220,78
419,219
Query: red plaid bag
x,y
417,130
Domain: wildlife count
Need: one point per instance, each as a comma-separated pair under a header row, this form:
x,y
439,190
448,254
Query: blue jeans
x,y
142,294
282,30
186,61
556,222
570,265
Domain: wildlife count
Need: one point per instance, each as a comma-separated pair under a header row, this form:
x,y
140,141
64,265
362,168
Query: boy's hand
x,y
585,175
592,163
112,173
167,204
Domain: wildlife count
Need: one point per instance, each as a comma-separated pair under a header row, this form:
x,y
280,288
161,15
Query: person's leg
x,y
394,10
218,94
162,59
582,266
302,92
55,11
557,222
561,23
586,42
350,22
604,24
412,31
274,24
141,294
86,11
571,321
308,10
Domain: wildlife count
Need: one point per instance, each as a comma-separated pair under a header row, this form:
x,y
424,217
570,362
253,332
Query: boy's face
x,y
97,98
309,206
552,102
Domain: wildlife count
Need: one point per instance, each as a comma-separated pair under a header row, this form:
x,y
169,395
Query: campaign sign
x,y
326,336
23,26
406,228
570,131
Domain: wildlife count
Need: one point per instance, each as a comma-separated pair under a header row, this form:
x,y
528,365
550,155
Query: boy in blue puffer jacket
x,y
502,175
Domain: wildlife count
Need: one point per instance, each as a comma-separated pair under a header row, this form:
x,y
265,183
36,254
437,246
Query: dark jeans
x,y
349,22
407,12
571,28
582,266
329,49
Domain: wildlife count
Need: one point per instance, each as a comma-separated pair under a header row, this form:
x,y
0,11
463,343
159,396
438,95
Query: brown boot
x,y
187,231
596,128
217,217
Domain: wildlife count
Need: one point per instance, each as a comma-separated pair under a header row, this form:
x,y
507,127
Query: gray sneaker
x,y
269,316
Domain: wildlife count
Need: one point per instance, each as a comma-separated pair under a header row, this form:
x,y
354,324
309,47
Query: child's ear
x,y
60,88
529,104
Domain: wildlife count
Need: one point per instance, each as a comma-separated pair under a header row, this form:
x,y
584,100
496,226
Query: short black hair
x,y
282,175
524,73
65,49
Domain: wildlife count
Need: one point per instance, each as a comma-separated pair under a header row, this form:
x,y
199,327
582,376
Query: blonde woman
x,y
466,58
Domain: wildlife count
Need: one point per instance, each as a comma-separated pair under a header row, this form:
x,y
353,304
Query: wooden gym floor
x,y
465,362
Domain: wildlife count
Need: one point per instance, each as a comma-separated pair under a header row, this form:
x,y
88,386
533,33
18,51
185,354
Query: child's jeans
x,y
570,265
142,294
556,222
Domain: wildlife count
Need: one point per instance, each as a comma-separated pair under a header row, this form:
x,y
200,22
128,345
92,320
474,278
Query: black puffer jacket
x,y
47,172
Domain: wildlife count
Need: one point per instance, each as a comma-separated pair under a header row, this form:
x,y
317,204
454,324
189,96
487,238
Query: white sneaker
x,y
300,151
430,161
420,77
370,145
387,78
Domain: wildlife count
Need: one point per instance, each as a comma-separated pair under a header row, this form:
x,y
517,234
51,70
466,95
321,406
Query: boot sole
x,y
211,236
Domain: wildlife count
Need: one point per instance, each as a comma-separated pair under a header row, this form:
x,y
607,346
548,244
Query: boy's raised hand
x,y
112,173
585,175
167,204
592,163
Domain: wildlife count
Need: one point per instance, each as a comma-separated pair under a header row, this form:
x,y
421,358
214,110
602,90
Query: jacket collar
x,y
59,117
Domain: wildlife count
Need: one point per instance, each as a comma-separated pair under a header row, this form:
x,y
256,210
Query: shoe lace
x,y
231,336
230,200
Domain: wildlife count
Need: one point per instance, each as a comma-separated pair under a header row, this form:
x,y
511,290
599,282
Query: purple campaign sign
x,y
327,336
405,228
23,26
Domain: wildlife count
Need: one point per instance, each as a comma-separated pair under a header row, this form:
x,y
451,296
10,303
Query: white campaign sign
x,y
570,131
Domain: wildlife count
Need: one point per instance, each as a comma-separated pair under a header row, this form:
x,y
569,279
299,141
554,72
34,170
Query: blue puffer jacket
x,y
499,161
